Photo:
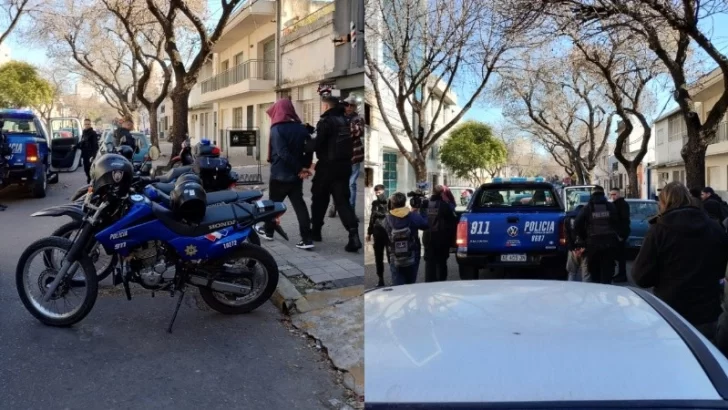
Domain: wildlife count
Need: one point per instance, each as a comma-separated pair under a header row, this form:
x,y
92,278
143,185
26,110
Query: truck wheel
x,y
468,272
40,185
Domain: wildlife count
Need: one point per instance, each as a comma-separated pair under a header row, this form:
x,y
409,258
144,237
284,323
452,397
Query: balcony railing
x,y
251,69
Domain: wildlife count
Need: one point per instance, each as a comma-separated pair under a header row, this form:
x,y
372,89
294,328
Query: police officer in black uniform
x,y
334,147
598,222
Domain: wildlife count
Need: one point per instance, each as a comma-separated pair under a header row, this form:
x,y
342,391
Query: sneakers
x,y
261,232
305,244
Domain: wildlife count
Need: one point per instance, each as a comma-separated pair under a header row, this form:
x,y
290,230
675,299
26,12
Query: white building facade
x,y
237,83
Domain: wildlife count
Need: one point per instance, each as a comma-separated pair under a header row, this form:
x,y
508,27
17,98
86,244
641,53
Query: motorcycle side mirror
x,y
154,153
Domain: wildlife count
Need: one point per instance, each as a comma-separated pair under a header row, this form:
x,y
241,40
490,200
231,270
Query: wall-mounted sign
x,y
243,138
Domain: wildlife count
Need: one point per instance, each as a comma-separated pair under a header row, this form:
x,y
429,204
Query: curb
x,y
285,296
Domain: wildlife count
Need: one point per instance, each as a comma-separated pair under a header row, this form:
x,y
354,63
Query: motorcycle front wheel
x,y
103,262
250,265
82,284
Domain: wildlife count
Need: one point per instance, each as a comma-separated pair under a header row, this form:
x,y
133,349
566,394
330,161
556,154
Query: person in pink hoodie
x,y
289,166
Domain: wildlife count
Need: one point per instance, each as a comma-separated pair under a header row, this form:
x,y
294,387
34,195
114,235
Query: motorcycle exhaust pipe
x,y
218,286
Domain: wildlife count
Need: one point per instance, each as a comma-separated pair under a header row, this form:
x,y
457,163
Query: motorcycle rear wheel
x,y
219,302
103,270
89,273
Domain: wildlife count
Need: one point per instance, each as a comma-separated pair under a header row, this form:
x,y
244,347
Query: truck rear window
x,y
13,125
516,197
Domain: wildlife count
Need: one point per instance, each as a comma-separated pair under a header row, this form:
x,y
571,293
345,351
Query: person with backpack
x,y
289,166
376,230
714,205
440,236
334,147
403,241
598,224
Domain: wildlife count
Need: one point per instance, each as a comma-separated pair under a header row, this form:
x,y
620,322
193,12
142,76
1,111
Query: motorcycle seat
x,y
216,218
215,197
228,196
164,187
173,174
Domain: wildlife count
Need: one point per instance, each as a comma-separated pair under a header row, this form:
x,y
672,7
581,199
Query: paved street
x,y
371,271
120,356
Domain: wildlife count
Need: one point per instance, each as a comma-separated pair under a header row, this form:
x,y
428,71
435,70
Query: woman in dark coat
x,y
683,257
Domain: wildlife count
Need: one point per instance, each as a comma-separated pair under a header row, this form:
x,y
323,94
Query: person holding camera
x,y
439,238
403,241
376,230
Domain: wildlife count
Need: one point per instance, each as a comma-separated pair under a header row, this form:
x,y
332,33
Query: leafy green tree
x,y
473,152
21,86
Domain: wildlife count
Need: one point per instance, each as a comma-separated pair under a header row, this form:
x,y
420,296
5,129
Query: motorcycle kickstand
x,y
176,310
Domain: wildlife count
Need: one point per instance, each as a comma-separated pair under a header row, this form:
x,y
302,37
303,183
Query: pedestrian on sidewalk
x,y
356,124
376,230
440,237
623,230
89,145
334,148
598,224
403,239
289,167
683,257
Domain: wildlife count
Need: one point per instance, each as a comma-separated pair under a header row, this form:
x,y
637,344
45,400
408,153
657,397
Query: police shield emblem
x,y
117,175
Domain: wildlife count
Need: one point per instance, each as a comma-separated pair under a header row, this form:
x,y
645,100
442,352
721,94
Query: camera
x,y
418,197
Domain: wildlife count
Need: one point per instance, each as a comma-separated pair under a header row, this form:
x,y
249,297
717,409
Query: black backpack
x,y
401,244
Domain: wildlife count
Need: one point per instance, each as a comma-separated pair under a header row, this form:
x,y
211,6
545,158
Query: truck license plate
x,y
513,257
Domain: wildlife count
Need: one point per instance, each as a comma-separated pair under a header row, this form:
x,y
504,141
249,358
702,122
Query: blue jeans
x,y
355,170
405,276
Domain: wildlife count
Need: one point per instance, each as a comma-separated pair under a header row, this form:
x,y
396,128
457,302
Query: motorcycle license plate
x,y
514,257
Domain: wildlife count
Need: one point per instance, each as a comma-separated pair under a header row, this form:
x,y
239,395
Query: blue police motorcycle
x,y
160,250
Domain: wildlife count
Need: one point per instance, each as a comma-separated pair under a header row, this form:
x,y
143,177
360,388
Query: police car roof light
x,y
499,180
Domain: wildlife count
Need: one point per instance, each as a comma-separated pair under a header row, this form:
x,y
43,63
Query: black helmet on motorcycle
x,y
112,173
189,177
126,152
188,202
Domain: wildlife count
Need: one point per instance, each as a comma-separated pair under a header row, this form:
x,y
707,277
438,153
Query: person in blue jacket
x,y
402,225
290,163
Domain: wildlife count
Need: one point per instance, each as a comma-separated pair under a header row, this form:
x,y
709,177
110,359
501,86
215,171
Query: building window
x,y
682,176
389,179
677,129
308,113
238,59
238,117
269,60
224,66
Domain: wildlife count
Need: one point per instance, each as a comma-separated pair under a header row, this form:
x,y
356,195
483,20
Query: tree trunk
x,y
180,107
153,131
693,153
633,189
420,167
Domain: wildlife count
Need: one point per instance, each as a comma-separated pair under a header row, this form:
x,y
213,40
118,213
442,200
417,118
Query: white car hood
x,y
505,341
